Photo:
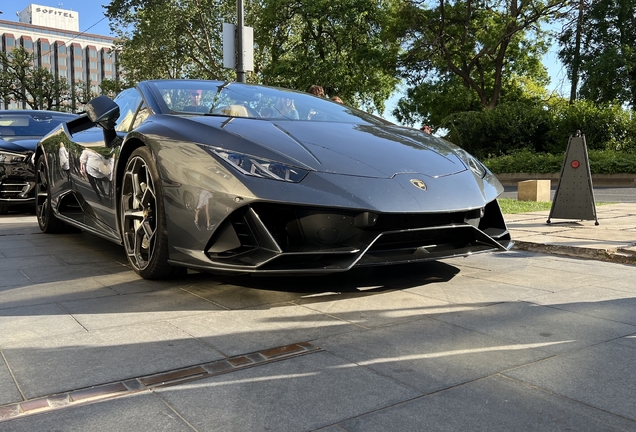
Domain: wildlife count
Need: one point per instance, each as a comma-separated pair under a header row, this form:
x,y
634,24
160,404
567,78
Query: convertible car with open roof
x,y
231,177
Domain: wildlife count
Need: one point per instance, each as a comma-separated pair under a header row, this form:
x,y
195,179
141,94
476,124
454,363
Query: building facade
x,y
52,35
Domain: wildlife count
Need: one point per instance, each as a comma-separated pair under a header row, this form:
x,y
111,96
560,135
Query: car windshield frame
x,y
30,124
231,99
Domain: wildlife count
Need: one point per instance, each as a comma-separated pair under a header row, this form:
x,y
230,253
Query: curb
x,y
610,255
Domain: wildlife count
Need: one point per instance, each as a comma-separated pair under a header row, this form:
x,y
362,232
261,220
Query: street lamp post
x,y
240,67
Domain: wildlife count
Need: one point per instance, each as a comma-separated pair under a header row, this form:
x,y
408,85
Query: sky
x,y
91,14
92,20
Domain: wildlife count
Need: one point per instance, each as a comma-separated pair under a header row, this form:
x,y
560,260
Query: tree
x,y
82,93
606,60
169,38
479,48
345,47
23,82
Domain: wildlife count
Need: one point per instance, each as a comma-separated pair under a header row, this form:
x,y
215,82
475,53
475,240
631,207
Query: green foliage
x,y
605,126
343,46
524,161
542,128
507,128
527,161
37,86
607,54
464,53
170,39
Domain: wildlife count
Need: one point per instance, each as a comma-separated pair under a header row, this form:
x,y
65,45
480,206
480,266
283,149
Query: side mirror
x,y
103,112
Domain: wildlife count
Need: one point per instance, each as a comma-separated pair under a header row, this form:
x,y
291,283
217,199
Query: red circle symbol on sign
x,y
575,164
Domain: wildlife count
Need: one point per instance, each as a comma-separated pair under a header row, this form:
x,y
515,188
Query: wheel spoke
x,y
148,230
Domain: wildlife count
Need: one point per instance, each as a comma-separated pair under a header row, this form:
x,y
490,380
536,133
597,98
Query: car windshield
x,y
252,101
29,124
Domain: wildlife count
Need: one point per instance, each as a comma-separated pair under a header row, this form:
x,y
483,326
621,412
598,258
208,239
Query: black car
x,y
233,177
20,130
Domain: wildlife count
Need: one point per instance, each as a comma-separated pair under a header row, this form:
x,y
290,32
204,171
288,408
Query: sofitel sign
x,y
54,12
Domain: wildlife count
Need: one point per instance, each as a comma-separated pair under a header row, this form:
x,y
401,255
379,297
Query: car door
x,y
94,161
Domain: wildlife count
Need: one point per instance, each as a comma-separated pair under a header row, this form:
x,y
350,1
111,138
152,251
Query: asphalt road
x,y
601,194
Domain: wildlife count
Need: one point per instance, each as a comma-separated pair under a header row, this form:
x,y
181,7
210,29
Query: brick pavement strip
x,y
145,383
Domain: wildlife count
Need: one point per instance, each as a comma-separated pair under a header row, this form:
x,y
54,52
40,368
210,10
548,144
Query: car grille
x,y
279,238
16,189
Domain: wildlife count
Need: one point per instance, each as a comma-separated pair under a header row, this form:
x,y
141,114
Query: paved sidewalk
x,y
510,341
614,239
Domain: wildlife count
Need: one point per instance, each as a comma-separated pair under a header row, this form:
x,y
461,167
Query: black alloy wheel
x,y
47,221
142,217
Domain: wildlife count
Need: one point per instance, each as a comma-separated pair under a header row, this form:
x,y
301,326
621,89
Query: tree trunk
x,y
576,61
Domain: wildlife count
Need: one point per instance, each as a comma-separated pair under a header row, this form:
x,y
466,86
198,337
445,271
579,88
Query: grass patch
x,y
513,206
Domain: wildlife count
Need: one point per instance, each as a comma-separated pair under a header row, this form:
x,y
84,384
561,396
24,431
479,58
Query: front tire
x,y
142,218
47,221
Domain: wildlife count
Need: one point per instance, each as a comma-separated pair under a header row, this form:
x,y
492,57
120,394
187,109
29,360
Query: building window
x,y
10,42
61,49
46,59
92,53
108,67
78,63
93,65
27,44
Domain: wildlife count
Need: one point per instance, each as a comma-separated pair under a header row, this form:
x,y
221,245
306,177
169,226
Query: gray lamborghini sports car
x,y
233,177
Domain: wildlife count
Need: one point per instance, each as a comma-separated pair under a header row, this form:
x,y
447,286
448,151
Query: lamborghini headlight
x,y
259,167
10,158
471,162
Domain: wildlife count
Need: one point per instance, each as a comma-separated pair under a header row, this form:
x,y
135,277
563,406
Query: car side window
x,y
128,102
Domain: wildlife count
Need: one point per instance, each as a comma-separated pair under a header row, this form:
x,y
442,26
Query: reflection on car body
x,y
245,186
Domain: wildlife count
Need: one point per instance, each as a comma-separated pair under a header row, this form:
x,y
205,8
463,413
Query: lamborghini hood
x,y
347,149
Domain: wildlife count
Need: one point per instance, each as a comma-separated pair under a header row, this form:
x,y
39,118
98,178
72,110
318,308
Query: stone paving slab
x,y
604,303
247,330
491,404
602,376
13,278
73,272
527,323
8,390
383,308
300,394
57,364
155,306
430,355
52,292
33,322
473,291
539,279
143,412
